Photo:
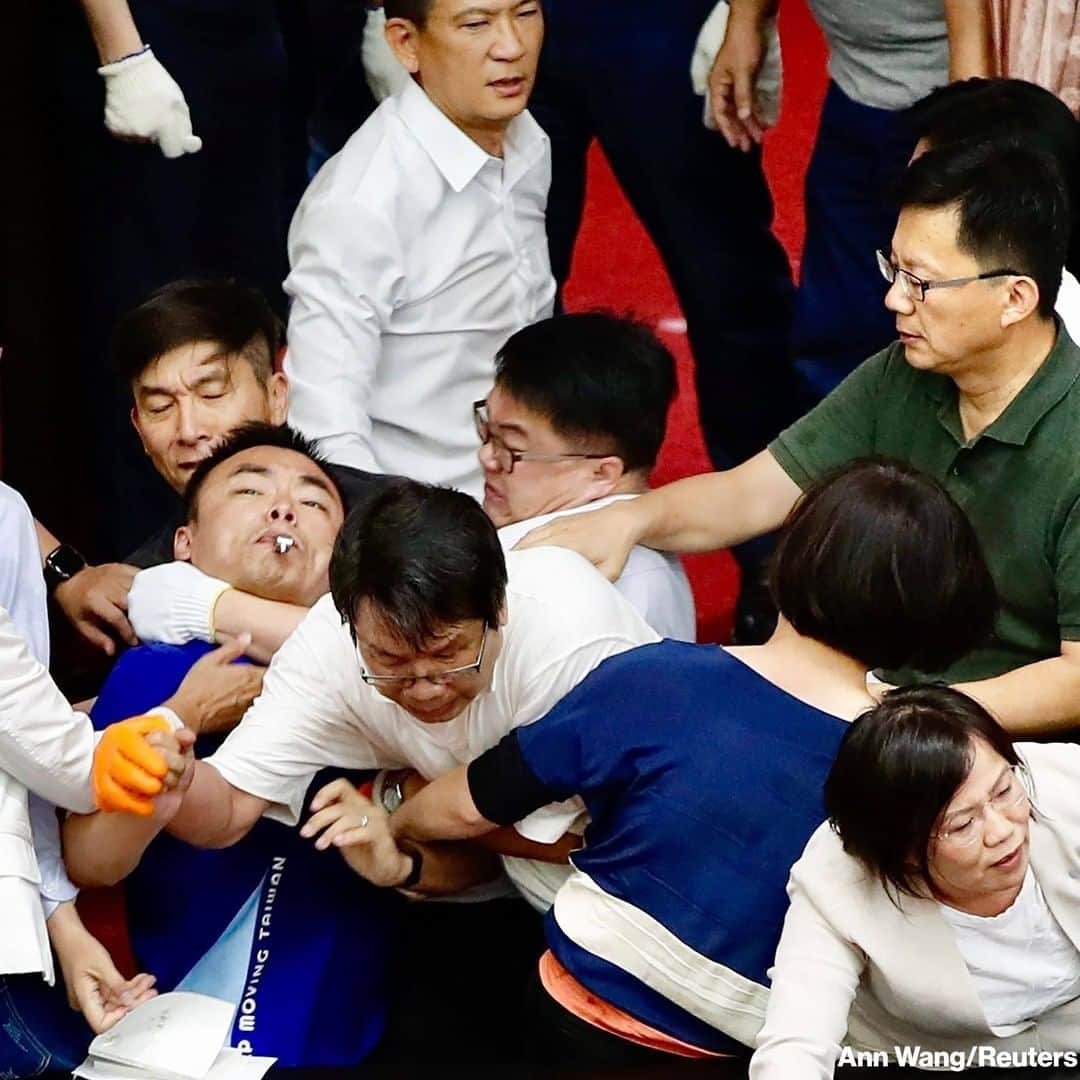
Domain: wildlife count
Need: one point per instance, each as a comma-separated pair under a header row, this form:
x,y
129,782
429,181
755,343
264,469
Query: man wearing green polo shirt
x,y
982,391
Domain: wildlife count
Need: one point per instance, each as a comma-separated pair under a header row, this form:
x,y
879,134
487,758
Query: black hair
x,y
416,11
1005,111
234,316
898,767
1012,204
245,437
603,380
877,561
424,558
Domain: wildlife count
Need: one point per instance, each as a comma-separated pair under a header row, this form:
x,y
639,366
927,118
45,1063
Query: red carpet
x,y
636,280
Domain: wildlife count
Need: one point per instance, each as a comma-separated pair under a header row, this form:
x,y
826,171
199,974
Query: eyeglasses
x,y
505,458
438,678
964,830
916,288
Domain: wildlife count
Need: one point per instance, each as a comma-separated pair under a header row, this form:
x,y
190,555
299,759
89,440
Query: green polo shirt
x,y
1018,481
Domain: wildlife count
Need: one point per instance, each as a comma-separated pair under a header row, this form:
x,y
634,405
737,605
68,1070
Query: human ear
x,y
182,544
1021,301
401,36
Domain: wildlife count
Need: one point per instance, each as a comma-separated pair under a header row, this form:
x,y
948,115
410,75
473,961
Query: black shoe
x,y
755,612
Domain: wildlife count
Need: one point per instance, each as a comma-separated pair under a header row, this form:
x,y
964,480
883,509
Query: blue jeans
x,y
840,313
38,1030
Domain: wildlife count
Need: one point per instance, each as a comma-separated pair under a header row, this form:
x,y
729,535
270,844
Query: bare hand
x,y
605,537
178,751
94,986
360,830
216,693
95,601
731,85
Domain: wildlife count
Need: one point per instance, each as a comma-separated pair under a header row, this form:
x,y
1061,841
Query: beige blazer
x,y
853,968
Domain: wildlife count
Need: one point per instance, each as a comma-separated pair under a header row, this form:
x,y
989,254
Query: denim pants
x,y
39,1031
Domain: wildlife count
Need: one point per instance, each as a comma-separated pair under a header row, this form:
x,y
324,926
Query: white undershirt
x,y
1022,962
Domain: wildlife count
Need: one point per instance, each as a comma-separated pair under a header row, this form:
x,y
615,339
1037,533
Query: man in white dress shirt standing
x,y
420,247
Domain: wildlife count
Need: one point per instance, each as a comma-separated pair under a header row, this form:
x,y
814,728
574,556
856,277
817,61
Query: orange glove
x,y
127,771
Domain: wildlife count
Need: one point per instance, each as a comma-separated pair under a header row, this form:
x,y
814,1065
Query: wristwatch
x,y
61,564
389,789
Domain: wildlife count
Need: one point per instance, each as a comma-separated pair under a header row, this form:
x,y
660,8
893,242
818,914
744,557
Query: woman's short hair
x,y
898,768
877,561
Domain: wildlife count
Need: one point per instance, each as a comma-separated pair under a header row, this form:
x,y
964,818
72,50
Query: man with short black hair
x,y
199,355
982,391
575,420
261,515
420,247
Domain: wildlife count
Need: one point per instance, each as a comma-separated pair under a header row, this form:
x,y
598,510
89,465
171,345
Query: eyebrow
x,y
515,429
993,788
196,383
314,479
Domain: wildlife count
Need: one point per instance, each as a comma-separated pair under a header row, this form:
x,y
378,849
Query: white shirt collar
x,y
454,153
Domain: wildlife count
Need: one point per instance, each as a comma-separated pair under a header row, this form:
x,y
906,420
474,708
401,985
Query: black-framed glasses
x,y
439,678
506,458
916,288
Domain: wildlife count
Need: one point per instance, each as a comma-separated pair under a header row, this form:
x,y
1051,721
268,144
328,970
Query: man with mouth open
x,y
982,391
420,247
261,514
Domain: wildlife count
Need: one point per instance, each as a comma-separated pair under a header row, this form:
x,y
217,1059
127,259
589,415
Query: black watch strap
x,y
61,564
415,873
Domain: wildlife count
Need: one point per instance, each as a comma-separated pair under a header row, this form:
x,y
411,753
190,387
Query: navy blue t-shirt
x,y
289,934
703,782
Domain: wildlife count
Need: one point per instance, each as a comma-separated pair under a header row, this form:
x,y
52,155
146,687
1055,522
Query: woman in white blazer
x,y
47,752
935,918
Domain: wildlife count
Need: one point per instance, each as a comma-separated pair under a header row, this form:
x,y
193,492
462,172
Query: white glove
x,y
142,101
384,74
174,603
769,81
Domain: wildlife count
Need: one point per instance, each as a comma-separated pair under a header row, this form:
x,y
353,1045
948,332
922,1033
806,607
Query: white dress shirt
x,y
562,620
653,581
45,747
414,255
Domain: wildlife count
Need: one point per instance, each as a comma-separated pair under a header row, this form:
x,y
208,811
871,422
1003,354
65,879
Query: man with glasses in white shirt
x,y
420,247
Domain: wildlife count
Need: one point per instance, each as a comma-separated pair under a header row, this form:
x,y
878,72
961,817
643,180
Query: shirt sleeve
x,y
502,786
813,985
300,723
56,886
838,429
1067,576
44,743
344,280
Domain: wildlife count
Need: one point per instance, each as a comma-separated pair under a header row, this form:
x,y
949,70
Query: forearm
x,y
214,814
47,542
753,12
970,42
1037,699
269,622
508,841
102,849
450,868
443,810
112,28
716,510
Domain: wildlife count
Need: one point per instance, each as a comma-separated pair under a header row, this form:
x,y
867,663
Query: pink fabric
x,y
1039,40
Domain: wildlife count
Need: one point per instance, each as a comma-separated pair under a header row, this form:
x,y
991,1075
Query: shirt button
x,y
956,470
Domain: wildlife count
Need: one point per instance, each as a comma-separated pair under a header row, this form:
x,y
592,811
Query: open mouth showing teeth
x,y
283,543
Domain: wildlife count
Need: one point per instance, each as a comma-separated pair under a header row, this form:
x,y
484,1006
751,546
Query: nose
x,y
997,826
424,692
282,511
508,44
189,429
897,300
486,456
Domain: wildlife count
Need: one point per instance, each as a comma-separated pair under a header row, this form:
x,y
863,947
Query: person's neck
x,y
809,670
995,379
632,483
